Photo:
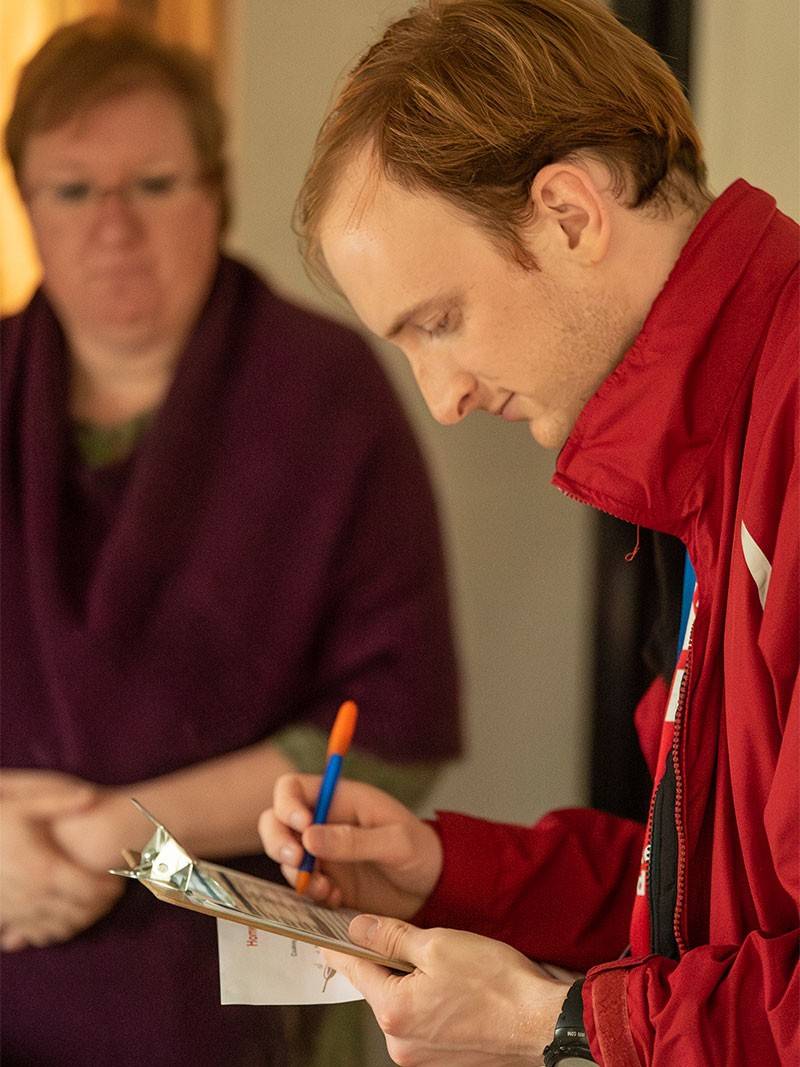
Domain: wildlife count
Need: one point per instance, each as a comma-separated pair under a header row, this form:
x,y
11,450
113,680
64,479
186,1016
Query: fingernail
x,y
288,854
297,820
364,928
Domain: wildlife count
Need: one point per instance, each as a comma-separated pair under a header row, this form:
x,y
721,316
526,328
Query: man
x,y
514,193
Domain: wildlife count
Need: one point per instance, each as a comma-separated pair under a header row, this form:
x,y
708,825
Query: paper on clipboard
x,y
175,876
256,967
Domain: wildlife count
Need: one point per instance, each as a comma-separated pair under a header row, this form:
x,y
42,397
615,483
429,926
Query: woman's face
x,y
127,234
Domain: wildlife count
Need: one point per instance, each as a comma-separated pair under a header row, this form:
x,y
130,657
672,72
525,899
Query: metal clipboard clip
x,y
165,862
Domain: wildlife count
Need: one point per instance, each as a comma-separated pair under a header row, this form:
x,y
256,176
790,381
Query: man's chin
x,y
549,433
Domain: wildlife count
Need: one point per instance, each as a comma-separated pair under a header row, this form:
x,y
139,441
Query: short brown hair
x,y
90,61
470,98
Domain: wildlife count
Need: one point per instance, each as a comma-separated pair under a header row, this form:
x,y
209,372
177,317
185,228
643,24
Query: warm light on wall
x,y
23,28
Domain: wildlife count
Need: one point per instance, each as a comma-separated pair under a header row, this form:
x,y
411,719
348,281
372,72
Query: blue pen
x,y
338,744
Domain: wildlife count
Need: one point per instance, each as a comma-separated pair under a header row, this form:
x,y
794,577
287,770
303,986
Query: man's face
x,y
480,332
127,237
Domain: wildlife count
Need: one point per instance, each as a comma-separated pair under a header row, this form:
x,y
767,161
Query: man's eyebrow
x,y
422,307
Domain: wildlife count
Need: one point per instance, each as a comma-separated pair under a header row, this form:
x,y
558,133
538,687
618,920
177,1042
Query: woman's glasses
x,y
79,200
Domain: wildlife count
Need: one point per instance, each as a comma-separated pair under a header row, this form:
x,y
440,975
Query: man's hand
x,y
45,897
471,1002
373,853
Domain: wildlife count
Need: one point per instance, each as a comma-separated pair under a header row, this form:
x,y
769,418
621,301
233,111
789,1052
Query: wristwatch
x,y
569,1047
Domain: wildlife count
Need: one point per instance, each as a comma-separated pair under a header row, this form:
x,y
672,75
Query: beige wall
x,y
517,547
746,88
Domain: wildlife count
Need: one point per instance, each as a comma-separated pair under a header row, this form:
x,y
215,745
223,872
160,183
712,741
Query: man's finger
x,y
368,978
280,843
295,797
345,843
393,938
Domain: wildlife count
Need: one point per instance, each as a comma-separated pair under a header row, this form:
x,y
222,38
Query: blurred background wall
x,y
745,72
522,557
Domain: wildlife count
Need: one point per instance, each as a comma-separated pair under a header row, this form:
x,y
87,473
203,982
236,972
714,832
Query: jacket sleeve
x,y
551,890
720,1004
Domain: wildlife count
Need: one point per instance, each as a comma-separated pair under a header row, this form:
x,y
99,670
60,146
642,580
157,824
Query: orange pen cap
x,y
343,729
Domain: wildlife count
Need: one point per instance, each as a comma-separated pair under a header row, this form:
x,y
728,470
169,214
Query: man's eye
x,y
438,326
72,192
155,185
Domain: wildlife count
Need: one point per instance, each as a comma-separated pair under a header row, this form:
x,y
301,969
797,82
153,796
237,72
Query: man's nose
x,y
451,394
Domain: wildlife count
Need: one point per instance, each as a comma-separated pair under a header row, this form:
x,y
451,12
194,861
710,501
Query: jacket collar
x,y
641,442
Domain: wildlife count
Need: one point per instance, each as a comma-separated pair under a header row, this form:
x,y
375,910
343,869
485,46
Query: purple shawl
x,y
270,548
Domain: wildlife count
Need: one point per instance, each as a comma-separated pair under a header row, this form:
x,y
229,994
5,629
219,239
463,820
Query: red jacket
x,y
694,434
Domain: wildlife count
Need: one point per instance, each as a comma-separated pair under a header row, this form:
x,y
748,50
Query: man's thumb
x,y
393,938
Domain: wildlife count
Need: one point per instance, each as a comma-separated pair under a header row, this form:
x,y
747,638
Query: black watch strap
x,y
569,1040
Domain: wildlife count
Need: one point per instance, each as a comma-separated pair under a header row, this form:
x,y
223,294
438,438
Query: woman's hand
x,y
372,853
471,1002
96,836
45,896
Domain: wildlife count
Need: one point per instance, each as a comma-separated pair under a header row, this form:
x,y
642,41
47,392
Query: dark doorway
x,y
638,602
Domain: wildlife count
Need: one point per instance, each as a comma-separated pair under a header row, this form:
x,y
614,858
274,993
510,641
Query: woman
x,y
216,525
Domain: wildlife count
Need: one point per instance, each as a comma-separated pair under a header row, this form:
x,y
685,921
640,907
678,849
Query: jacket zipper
x,y
654,868
676,738
594,507
676,763
648,851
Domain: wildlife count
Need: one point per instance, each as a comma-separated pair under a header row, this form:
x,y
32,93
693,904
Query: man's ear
x,y
567,196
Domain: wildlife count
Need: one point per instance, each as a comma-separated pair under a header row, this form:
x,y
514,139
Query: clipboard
x,y
175,876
